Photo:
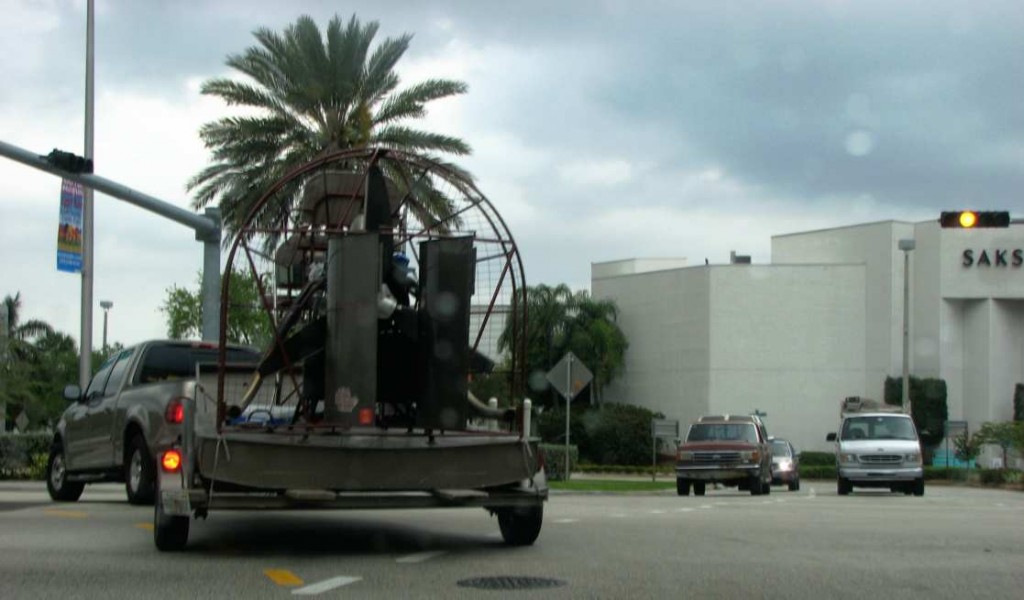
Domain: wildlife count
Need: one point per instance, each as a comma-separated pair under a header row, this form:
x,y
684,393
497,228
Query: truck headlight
x,y
685,456
913,458
847,457
750,456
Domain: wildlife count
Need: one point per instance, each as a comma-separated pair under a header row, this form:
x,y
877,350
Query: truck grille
x,y
710,457
881,459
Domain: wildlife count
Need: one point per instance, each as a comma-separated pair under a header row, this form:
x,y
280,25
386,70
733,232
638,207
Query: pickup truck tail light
x,y
170,461
175,412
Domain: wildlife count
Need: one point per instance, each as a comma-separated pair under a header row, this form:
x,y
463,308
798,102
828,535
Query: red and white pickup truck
x,y
132,407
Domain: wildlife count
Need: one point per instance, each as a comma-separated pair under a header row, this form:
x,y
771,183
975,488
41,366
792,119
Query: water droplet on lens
x,y
860,143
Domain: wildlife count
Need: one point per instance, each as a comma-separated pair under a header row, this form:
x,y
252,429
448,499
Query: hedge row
x,y
553,457
24,455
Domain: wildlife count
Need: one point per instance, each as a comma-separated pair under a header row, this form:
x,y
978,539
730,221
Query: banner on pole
x,y
69,228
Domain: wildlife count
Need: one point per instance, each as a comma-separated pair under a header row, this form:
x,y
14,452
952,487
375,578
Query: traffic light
x,y
69,162
973,219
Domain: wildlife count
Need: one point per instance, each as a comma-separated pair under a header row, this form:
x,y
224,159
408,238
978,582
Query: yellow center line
x,y
67,514
146,526
283,577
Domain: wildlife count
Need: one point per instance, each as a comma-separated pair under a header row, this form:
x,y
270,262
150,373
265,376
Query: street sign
x,y
664,428
955,428
661,428
569,376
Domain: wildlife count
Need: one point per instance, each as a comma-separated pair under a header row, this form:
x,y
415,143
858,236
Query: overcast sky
x,y
600,130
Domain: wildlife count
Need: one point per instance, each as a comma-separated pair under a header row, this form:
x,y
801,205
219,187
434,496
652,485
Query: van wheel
x,y
919,487
843,487
57,484
139,473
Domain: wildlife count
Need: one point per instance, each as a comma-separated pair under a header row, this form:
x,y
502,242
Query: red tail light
x,y
171,461
175,412
366,416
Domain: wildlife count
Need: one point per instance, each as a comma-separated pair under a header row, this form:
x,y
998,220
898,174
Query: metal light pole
x,y
907,246
85,359
106,305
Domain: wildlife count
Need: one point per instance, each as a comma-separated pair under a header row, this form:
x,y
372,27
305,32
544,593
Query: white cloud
x,y
586,173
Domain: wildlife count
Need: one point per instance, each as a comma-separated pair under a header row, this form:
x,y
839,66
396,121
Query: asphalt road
x,y
952,543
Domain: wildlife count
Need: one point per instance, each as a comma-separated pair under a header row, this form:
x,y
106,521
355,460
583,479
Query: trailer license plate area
x,y
175,502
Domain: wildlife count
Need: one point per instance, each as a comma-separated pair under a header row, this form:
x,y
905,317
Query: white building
x,y
821,322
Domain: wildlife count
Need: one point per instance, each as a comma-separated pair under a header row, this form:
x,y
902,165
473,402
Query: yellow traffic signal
x,y
973,219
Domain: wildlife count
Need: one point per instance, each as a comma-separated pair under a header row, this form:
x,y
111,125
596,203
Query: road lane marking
x,y
681,510
657,512
567,520
146,526
325,585
420,557
283,577
811,494
705,506
67,514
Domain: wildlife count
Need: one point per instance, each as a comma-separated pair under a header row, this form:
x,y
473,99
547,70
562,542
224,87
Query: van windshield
x,y
878,428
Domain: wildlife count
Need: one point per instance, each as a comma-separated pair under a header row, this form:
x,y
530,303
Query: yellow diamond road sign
x,y
569,376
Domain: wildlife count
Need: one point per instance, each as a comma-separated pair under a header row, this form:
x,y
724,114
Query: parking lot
x,y
952,543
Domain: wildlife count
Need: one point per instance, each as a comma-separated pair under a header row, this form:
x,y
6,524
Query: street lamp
x,y
106,305
907,246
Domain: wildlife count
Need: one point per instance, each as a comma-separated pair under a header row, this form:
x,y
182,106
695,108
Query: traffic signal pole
x,y
206,226
88,227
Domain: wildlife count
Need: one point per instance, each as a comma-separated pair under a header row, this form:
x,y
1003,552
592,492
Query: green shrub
x,y
612,434
992,476
817,472
817,459
19,454
554,460
625,469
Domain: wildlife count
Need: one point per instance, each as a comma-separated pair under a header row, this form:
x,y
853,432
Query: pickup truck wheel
x,y
755,487
170,532
682,487
766,488
520,526
699,488
57,484
140,473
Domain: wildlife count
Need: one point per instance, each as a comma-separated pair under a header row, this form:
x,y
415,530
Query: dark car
x,y
785,464
731,450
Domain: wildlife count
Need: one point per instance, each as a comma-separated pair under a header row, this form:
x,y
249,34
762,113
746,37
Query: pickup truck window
x,y
99,380
878,428
117,373
715,432
173,361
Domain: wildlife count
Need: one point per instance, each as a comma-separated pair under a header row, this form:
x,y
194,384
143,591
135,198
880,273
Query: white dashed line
x,y
325,585
682,510
657,512
567,520
705,506
420,557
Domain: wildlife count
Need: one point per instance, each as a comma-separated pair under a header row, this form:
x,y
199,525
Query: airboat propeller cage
x,y
363,339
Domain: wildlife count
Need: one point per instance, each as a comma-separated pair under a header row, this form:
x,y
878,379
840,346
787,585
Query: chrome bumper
x,y
855,474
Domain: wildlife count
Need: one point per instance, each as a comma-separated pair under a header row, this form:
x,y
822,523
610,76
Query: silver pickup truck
x,y
132,407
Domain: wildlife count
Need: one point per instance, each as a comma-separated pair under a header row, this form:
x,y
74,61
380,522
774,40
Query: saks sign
x,y
993,258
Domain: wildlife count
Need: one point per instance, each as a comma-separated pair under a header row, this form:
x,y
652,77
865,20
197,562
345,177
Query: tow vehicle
x,y
361,399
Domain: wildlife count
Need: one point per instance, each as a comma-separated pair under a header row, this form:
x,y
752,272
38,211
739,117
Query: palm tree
x,y
315,95
560,321
15,336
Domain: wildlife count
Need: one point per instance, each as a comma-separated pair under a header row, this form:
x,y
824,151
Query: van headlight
x,y
913,458
847,457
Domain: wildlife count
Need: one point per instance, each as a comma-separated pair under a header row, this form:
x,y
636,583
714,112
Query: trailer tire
x,y
170,532
520,526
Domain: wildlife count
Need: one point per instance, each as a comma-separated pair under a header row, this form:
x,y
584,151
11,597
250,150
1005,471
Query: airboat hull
x,y
366,463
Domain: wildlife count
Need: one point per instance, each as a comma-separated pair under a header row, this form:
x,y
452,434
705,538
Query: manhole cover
x,y
511,583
